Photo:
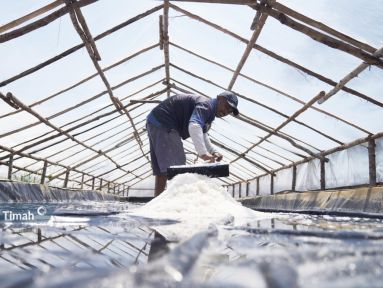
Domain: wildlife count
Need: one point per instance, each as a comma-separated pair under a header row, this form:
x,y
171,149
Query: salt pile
x,y
195,201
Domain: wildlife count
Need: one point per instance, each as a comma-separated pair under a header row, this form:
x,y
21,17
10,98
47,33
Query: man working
x,y
184,116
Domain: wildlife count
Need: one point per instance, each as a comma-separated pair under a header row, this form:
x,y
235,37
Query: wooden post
x,y
257,193
39,236
247,188
271,184
100,184
66,178
10,167
322,175
114,188
82,181
127,191
294,184
372,161
108,186
233,190
43,175
240,190
93,179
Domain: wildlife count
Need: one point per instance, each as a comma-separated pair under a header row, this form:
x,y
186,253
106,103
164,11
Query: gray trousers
x,y
166,148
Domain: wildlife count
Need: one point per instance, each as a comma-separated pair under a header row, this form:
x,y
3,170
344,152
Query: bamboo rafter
x,y
273,89
276,56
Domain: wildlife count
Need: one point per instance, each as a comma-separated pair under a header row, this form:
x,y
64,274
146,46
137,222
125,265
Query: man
x,y
184,116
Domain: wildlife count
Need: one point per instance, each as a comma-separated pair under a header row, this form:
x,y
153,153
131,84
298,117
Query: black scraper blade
x,y
212,170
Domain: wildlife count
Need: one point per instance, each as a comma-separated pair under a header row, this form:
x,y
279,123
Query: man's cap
x,y
232,99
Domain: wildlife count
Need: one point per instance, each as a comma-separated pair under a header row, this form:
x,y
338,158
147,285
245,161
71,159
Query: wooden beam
x,y
348,78
30,16
165,37
322,174
10,166
241,116
78,47
320,37
40,23
333,150
145,101
296,114
44,173
241,156
249,48
294,178
61,132
292,13
66,178
273,89
274,55
372,162
12,151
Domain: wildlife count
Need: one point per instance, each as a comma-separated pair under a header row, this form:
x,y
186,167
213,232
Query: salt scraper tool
x,y
212,170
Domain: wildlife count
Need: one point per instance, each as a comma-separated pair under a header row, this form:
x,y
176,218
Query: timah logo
x,y
26,216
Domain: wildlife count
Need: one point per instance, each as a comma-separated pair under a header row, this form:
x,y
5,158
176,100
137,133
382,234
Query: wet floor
x,y
100,245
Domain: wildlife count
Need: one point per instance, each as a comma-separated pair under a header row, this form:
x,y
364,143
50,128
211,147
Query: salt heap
x,y
196,201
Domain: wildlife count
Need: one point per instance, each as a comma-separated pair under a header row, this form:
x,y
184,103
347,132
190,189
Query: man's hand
x,y
218,156
212,157
208,157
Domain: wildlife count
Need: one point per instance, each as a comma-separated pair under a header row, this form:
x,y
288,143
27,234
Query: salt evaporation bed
x,y
195,202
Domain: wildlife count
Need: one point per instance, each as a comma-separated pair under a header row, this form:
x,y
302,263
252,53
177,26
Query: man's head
x,y
227,103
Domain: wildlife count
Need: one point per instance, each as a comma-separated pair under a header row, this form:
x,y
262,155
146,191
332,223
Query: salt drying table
x,y
117,244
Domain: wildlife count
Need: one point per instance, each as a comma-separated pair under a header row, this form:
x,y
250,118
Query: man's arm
x,y
197,137
211,149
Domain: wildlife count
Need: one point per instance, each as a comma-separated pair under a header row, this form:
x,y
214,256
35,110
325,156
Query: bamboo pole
x,y
81,103
241,115
12,151
322,174
84,80
61,132
81,125
320,37
165,38
333,150
30,16
246,121
66,178
40,23
78,47
44,173
271,88
294,178
10,167
258,103
22,169
372,162
274,55
261,126
262,148
296,114
354,73
258,28
292,13
71,147
239,155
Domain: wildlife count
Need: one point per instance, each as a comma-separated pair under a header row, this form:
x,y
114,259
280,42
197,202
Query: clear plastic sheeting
x,y
379,159
264,185
26,192
308,176
287,250
253,187
348,167
283,180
